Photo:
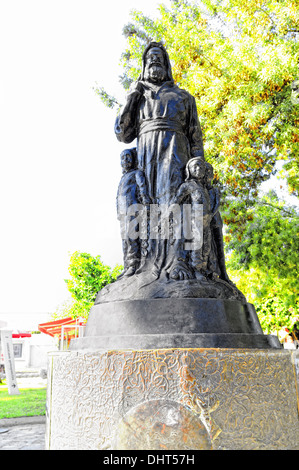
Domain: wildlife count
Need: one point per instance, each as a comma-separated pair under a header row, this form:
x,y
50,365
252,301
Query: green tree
x,y
264,262
88,275
238,59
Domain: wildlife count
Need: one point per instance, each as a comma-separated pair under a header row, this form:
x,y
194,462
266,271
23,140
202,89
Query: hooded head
x,y
209,172
189,168
128,159
166,65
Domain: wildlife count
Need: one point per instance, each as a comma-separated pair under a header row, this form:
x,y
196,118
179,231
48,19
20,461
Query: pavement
x,y
26,433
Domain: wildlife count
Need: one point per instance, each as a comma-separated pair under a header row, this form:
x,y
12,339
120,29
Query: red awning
x,y
21,334
53,328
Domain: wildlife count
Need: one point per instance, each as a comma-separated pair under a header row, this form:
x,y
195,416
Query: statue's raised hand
x,y
136,86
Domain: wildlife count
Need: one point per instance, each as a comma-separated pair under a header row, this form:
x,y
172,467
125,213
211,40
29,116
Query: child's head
x,y
195,168
209,173
128,159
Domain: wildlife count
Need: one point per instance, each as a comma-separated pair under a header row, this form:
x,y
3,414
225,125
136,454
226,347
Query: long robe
x,y
164,120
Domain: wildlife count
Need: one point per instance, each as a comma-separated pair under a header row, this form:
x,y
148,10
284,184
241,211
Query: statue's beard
x,y
155,73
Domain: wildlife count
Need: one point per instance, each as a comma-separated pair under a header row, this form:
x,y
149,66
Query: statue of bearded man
x,y
164,120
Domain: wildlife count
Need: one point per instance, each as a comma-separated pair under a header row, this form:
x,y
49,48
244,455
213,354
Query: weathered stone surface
x,y
161,423
185,398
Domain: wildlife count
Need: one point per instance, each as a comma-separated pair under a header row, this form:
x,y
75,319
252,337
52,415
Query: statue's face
x,y
197,170
209,174
126,161
155,67
155,56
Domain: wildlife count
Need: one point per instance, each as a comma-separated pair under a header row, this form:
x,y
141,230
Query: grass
x,y
30,402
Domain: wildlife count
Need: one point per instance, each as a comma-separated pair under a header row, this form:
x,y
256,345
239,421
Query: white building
x,y
29,352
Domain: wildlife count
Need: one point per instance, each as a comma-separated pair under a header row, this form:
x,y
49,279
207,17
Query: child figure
x,y
217,257
194,189
131,190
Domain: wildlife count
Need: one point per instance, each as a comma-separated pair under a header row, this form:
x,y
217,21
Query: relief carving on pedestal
x,y
238,399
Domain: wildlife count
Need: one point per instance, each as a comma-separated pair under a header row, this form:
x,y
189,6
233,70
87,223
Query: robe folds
x,y
164,120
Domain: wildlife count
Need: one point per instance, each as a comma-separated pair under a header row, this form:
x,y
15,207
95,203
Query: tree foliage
x,y
264,262
88,275
238,59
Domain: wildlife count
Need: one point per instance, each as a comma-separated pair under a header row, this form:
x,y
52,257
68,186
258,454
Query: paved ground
x,y
24,433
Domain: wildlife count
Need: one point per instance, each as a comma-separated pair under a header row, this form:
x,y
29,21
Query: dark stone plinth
x,y
165,341
173,323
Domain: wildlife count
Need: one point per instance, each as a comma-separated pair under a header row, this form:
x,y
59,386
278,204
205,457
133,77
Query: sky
x,y
59,156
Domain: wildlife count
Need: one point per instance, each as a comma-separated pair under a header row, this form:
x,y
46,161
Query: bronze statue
x,y
217,258
164,175
174,291
195,189
131,191
164,120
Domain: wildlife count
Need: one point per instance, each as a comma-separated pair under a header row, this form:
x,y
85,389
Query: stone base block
x,y
173,399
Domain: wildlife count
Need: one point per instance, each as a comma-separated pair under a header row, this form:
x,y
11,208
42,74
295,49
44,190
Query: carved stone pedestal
x,y
173,399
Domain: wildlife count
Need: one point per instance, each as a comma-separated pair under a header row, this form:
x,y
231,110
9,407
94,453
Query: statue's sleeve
x,y
181,194
126,122
194,132
142,187
118,199
217,200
